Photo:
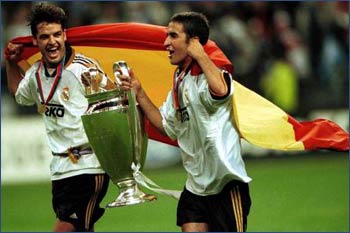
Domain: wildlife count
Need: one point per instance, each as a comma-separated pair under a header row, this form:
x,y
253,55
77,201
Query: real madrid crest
x,y
65,94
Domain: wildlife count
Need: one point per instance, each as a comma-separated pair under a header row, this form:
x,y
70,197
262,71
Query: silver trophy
x,y
114,126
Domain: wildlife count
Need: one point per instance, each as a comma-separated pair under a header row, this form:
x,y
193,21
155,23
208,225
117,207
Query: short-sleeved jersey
x,y
62,116
210,145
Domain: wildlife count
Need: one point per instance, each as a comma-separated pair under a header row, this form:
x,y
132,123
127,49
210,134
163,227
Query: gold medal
x,y
178,115
41,108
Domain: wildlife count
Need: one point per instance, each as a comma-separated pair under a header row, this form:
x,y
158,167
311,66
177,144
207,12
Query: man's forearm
x,y
150,111
215,80
13,76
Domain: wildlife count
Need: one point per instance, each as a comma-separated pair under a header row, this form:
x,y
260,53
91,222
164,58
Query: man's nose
x,y
52,40
166,42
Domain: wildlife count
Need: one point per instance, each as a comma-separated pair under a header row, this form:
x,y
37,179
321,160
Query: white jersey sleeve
x,y
206,96
24,94
168,113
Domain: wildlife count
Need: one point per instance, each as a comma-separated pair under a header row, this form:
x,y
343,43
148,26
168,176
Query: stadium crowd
x,y
293,53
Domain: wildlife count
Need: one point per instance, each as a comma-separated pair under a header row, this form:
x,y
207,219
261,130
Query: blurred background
x,y
295,54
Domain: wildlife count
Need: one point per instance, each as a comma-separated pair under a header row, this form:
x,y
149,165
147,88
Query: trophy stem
x,y
130,194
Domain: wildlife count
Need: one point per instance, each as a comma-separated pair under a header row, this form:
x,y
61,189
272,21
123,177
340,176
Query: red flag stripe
x,y
316,134
320,134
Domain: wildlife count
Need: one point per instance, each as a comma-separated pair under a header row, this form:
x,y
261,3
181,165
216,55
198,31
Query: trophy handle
x,y
133,115
135,126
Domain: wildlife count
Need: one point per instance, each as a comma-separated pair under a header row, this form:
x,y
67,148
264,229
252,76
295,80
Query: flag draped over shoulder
x,y
258,121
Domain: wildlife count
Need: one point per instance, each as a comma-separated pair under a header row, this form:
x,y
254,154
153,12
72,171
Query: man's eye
x,y
43,37
58,34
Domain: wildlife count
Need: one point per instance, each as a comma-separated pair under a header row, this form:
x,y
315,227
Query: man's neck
x,y
51,69
186,64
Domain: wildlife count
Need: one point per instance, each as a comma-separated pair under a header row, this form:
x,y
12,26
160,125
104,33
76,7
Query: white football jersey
x,y
62,114
209,143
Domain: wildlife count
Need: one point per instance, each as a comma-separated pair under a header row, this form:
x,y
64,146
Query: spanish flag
x,y
258,121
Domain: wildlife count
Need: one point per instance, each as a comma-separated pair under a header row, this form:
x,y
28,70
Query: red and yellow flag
x,y
258,121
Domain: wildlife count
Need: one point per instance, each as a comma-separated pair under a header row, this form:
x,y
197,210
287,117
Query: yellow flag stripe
x,y
151,67
254,115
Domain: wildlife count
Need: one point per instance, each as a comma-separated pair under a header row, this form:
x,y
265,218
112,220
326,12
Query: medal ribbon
x,y
176,83
54,85
146,182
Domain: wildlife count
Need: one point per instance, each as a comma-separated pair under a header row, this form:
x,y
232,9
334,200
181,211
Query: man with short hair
x,y
198,114
54,84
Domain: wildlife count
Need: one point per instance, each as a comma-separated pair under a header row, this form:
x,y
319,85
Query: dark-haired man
x,y
54,84
197,113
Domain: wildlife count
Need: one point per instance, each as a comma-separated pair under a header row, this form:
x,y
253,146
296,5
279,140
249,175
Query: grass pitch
x,y
300,193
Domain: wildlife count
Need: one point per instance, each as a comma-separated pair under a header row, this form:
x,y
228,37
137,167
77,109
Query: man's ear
x,y
196,38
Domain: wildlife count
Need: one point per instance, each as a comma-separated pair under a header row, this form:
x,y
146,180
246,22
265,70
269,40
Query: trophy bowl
x,y
115,129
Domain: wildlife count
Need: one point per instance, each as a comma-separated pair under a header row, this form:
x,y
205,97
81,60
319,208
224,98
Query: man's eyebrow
x,y
58,32
171,33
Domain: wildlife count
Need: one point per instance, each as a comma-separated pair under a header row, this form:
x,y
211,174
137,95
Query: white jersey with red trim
x,y
209,143
62,114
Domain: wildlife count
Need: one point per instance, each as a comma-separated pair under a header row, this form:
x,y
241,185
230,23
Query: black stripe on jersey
x,y
83,58
227,78
81,63
85,61
54,105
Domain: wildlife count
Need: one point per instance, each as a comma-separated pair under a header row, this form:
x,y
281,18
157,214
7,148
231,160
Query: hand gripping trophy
x,y
115,129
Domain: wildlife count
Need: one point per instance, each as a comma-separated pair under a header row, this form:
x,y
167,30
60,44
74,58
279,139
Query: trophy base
x,y
130,194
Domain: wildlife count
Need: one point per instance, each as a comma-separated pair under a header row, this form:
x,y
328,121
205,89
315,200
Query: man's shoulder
x,y
30,70
80,63
82,60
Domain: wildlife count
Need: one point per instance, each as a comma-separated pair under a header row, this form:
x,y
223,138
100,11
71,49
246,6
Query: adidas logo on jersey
x,y
73,216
